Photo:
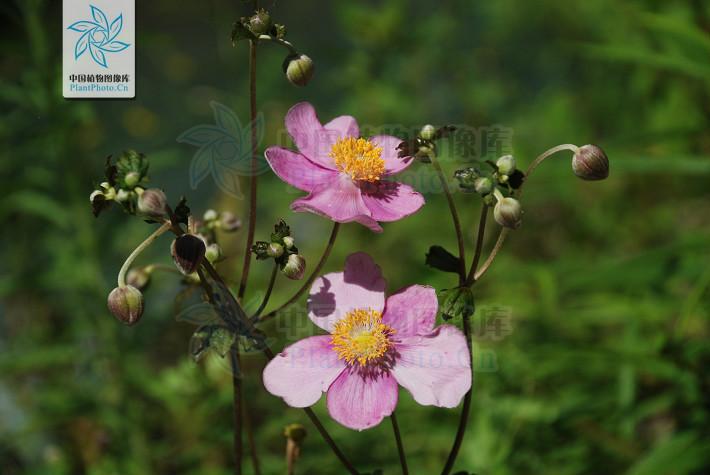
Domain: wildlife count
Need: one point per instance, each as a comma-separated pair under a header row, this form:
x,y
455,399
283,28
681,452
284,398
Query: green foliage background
x,y
605,367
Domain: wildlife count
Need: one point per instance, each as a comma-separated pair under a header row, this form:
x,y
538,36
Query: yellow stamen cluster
x,y
361,337
359,158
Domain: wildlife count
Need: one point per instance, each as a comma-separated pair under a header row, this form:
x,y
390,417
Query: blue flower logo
x,y
98,36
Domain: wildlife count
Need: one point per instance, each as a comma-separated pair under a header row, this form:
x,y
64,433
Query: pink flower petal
x,y
333,295
360,400
435,368
345,125
303,371
296,170
391,201
312,139
411,311
389,144
339,200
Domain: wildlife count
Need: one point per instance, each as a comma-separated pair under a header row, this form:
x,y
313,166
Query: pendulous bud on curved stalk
x,y
590,163
188,251
295,267
508,213
153,203
126,304
298,68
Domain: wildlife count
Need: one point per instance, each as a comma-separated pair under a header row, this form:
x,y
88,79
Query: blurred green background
x,y
603,367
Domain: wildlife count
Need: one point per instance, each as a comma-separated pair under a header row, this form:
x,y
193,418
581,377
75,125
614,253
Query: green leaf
x,y
456,303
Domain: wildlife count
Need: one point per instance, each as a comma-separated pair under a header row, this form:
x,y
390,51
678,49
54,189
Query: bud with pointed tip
x,y
153,203
295,267
298,68
126,304
508,213
506,165
590,163
188,251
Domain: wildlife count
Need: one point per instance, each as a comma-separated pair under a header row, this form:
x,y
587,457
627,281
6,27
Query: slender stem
x,y
269,289
250,438
306,285
465,411
329,440
253,181
505,231
454,216
479,245
237,408
141,247
400,446
279,41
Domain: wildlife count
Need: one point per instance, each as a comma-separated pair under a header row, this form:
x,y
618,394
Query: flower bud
x,y
210,215
289,242
428,132
153,203
260,22
139,277
126,304
506,165
188,251
131,179
507,212
590,163
213,252
122,195
483,185
295,267
229,222
295,434
275,250
298,68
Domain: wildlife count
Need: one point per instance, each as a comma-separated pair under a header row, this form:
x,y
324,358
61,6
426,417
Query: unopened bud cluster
x,y
282,248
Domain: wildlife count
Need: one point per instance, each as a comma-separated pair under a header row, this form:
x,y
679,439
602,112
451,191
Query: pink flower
x,y
343,174
374,345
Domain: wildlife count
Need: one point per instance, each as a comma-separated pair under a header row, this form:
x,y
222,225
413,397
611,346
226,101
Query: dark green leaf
x,y
440,258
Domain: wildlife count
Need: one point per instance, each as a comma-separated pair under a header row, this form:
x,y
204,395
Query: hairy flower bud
x,y
289,242
590,163
428,132
228,222
260,22
295,267
506,165
483,185
188,251
126,304
507,212
275,250
299,69
153,203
